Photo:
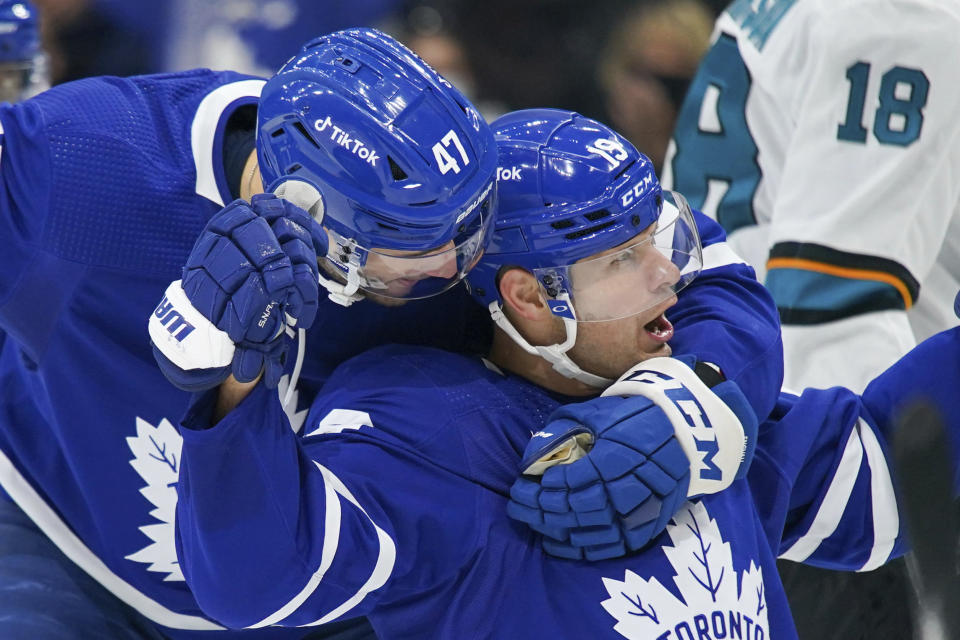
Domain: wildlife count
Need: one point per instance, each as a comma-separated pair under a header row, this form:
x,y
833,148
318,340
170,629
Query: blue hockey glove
x,y
605,476
250,278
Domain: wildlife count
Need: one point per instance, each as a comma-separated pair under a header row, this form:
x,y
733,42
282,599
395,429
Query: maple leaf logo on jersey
x,y
712,605
156,453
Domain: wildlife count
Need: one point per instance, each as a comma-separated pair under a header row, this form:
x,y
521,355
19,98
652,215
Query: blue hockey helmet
x,y
22,65
401,167
582,210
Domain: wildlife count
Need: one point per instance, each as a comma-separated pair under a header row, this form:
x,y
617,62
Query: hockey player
x,y
391,504
802,135
401,174
104,186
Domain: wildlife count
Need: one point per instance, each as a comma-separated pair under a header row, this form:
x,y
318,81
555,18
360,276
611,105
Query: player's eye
x,y
624,257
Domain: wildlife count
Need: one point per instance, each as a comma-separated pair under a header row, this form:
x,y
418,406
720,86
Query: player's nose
x,y
446,267
660,272
442,264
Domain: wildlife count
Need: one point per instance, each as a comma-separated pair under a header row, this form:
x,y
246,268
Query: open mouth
x,y
659,329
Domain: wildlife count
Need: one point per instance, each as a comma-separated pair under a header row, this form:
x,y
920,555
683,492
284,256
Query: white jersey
x,y
822,134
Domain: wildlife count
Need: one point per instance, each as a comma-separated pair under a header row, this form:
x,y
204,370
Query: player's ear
x,y
521,295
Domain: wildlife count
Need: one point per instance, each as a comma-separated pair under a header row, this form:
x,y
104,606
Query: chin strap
x,y
343,294
555,354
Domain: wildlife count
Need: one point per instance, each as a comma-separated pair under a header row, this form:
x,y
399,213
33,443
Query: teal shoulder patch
x,y
758,18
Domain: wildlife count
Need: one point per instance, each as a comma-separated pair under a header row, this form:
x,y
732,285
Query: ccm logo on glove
x,y
715,427
704,435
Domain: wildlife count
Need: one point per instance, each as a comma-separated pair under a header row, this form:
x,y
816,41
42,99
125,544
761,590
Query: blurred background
x,y
625,62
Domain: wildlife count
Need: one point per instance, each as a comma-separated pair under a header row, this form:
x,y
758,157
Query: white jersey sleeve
x,y
834,178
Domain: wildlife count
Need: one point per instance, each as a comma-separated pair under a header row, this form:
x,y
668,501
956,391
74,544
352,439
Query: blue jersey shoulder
x,y
107,167
451,321
457,411
103,176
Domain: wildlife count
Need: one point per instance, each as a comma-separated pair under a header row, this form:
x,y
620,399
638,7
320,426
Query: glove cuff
x,y
184,336
195,380
568,446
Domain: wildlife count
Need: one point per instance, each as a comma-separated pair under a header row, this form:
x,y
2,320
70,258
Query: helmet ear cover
x,y
401,160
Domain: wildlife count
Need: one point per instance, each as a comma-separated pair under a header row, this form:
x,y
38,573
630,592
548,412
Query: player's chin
x,y
657,350
628,359
385,301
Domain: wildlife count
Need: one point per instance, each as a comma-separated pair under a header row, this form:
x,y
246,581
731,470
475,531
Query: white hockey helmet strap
x,y
555,354
344,294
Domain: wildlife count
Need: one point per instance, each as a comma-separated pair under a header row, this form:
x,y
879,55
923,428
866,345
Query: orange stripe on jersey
x,y
843,272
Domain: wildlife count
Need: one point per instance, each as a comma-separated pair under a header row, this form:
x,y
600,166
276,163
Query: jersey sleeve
x,y
822,482
727,318
927,375
866,192
823,477
25,174
273,529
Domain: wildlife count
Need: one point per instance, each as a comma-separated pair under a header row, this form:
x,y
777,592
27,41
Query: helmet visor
x,y
409,275
645,272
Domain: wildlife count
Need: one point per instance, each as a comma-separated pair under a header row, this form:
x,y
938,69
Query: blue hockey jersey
x,y
104,186
392,505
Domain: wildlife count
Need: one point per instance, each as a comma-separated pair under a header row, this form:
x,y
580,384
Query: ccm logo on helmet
x,y
342,138
636,191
